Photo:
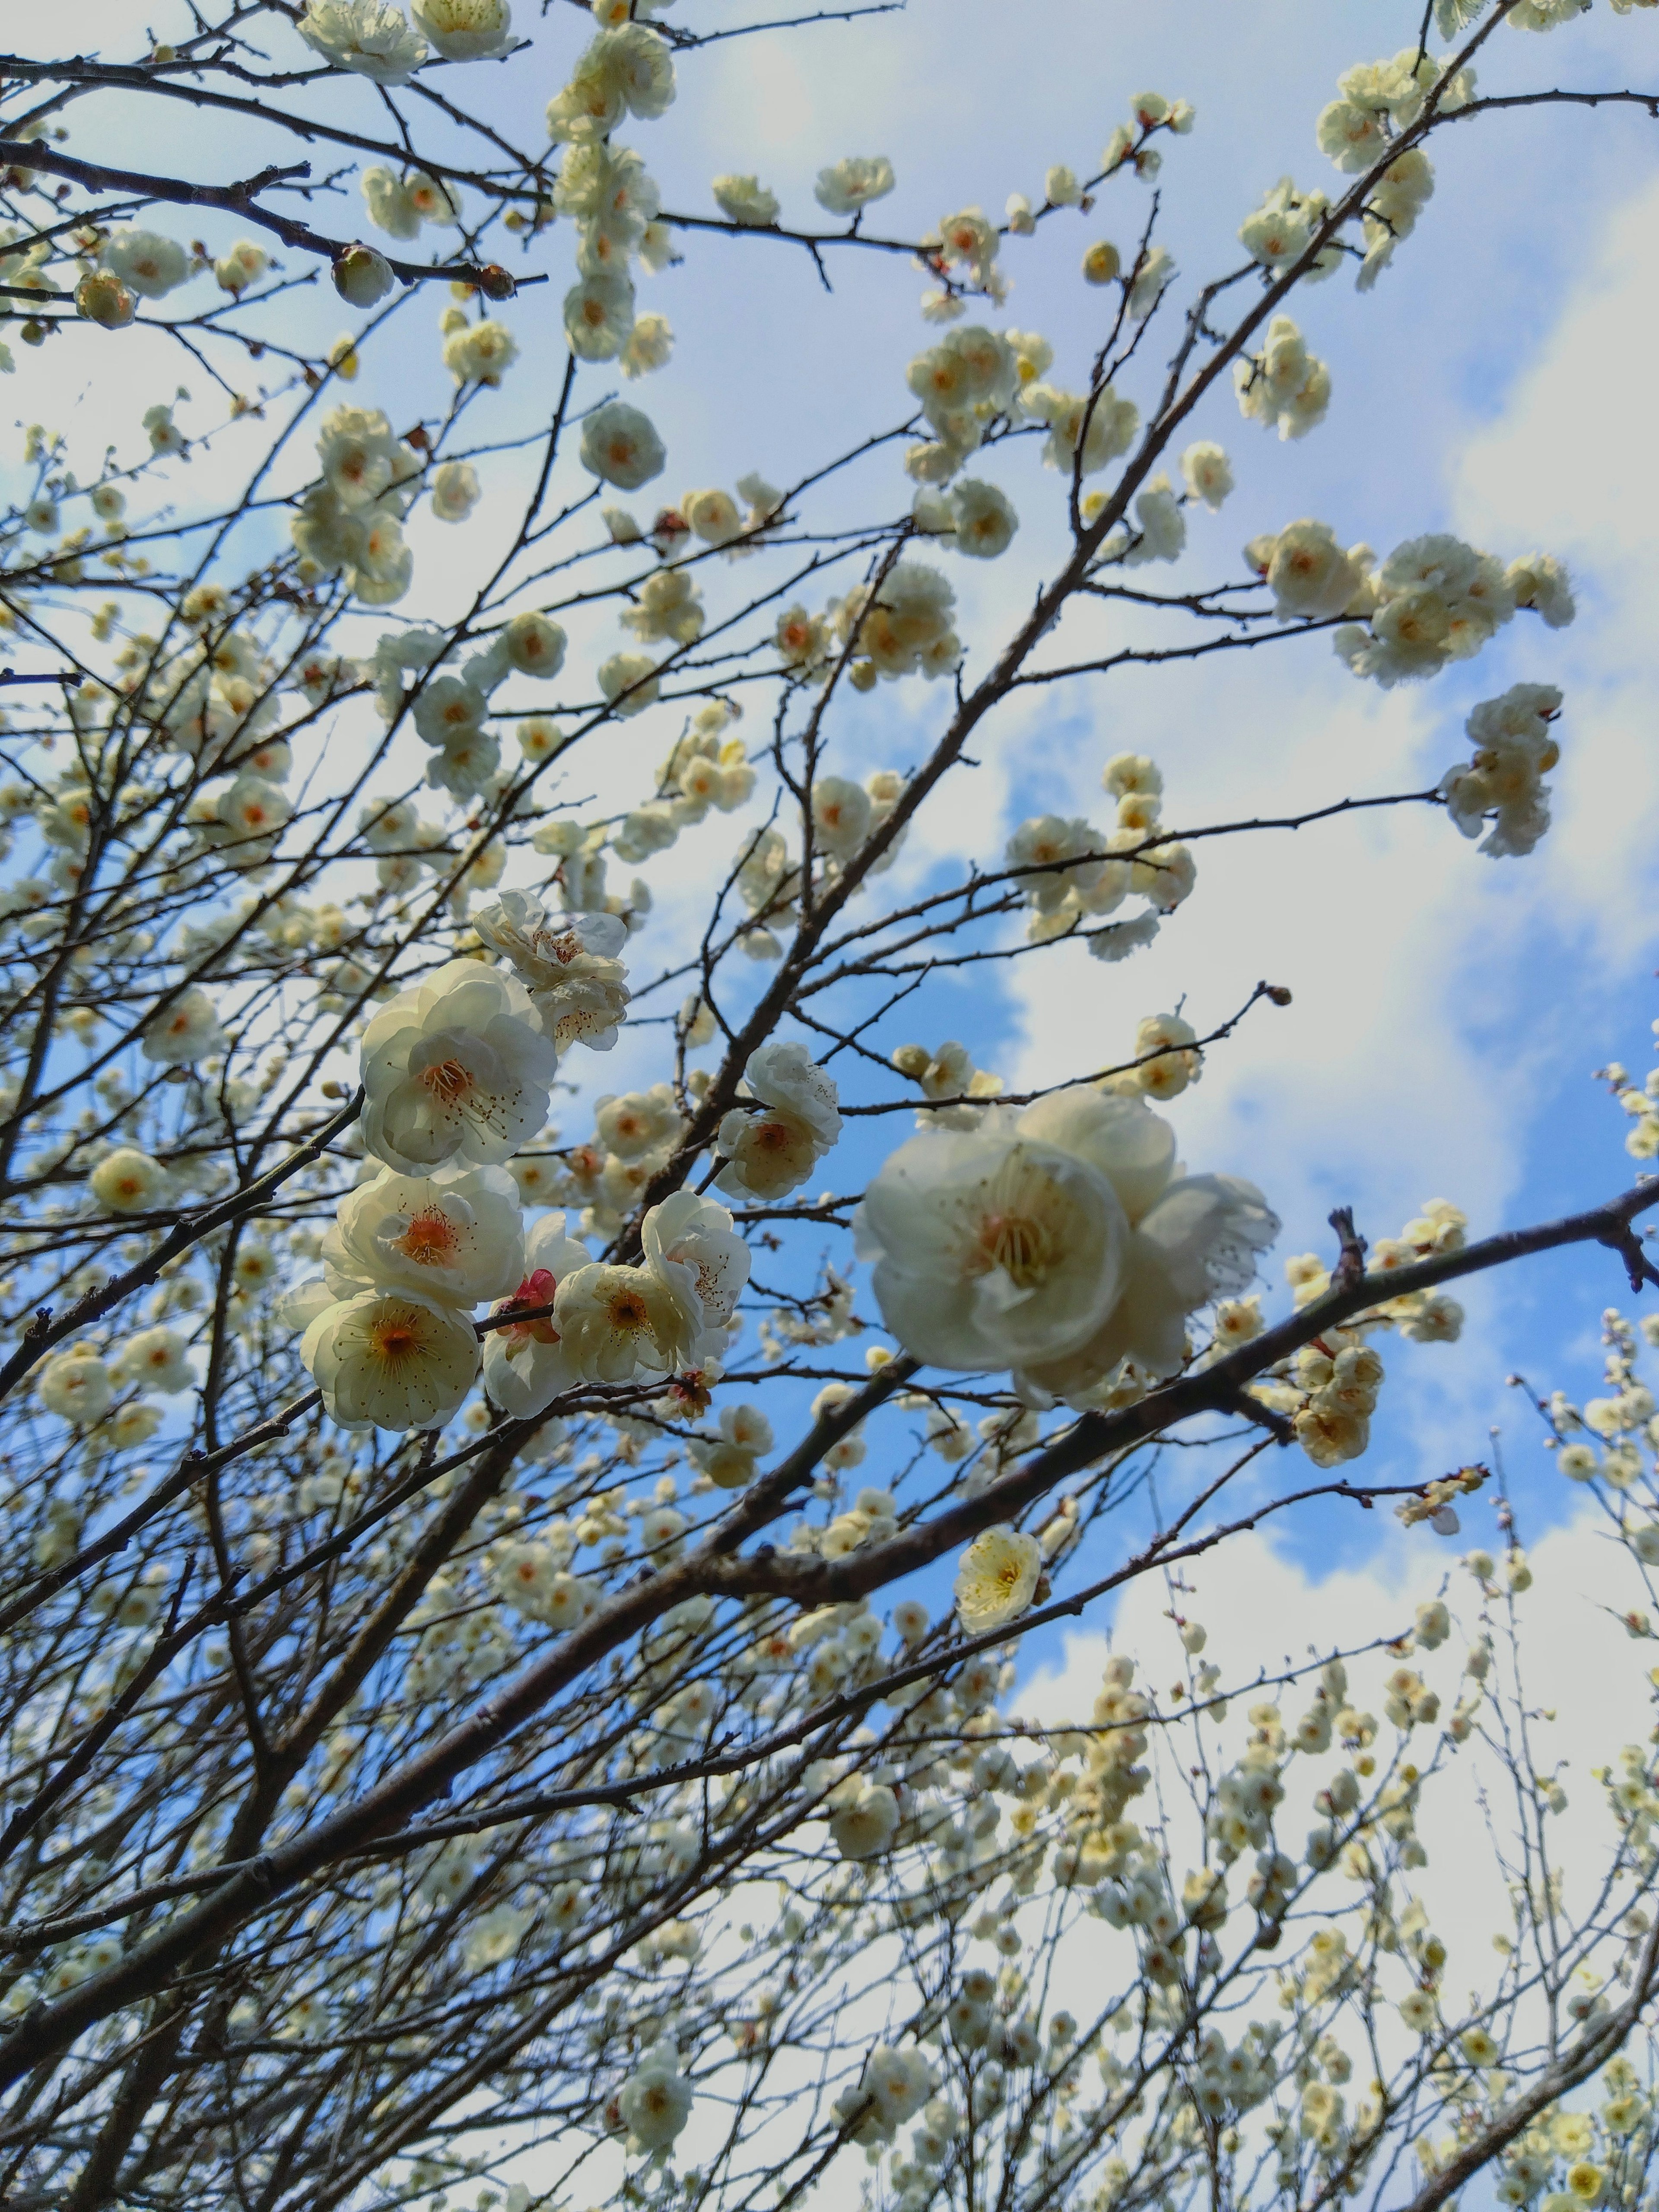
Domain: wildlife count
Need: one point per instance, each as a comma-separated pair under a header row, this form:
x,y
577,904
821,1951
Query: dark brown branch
x,y
239,200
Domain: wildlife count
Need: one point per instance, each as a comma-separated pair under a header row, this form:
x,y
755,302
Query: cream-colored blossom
x,y
457,1065
390,1359
997,1579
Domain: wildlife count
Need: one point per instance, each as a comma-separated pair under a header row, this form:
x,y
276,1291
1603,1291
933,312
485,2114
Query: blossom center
x,y
448,1082
1021,1247
430,1239
395,1339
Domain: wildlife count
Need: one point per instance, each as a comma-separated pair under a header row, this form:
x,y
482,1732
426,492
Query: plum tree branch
x,y
717,1568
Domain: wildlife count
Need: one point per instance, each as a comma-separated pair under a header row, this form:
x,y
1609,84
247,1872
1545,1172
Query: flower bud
x,y
103,298
1101,262
362,276
496,282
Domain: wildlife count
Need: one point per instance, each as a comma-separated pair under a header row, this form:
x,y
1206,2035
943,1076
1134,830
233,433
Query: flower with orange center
x,y
615,1321
766,1154
390,1359
127,1180
449,710
997,1579
458,1067
188,1031
620,446
455,1236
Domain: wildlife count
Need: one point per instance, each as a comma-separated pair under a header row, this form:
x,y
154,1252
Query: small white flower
x,y
621,445
997,1579
774,1152
466,30
655,2102
454,491
745,200
362,277
187,1030
145,261
864,1827
629,681
156,1359
75,1385
128,1182
615,1321
370,37
690,1242
853,183
991,1249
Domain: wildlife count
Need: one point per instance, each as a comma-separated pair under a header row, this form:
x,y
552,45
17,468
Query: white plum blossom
x,y
454,491
729,1457
1283,386
746,200
1309,574
1207,473
655,2102
454,1236
145,261
76,1384
1515,748
598,315
1058,1242
370,37
773,1151
186,1031
1086,432
997,1579
625,71
1539,582
154,1359
904,628
1435,599
990,1249
865,1825
1152,279
466,30
1193,1239
852,184
457,1065
480,353
568,963
362,276
614,1321
103,298
841,815
628,682
391,1359
127,1180
983,518
690,1242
